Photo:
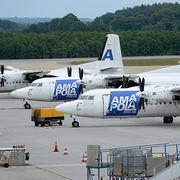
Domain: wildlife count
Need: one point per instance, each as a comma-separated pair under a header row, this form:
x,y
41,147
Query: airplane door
x,y
79,105
51,89
105,99
30,92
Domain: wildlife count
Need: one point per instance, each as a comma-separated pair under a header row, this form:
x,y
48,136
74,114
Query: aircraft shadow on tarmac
x,y
121,124
11,108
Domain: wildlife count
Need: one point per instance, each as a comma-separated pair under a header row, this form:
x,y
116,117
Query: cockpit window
x,y
39,84
36,84
90,97
33,84
83,97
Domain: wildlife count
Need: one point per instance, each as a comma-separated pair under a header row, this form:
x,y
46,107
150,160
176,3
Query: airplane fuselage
x,y
14,80
58,89
123,103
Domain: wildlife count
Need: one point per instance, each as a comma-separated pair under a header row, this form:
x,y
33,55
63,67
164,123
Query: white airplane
x,y
153,101
98,74
12,78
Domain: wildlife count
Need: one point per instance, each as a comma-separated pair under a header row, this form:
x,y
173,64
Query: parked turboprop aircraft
x,y
12,78
98,74
153,101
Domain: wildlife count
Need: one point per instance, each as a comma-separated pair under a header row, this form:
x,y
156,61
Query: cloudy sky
x,y
60,8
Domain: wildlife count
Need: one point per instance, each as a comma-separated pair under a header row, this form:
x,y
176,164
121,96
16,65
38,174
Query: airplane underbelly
x,y
159,110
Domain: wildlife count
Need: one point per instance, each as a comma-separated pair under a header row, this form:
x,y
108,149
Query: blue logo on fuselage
x,y
123,103
66,90
108,55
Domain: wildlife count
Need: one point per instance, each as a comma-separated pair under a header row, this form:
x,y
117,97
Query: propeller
x,y
69,71
81,86
125,81
142,99
81,73
2,81
2,69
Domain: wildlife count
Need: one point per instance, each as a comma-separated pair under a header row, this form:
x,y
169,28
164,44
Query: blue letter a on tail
x,y
108,55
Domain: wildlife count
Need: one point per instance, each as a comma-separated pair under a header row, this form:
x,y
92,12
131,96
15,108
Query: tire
x,y
42,124
168,120
60,123
36,123
75,124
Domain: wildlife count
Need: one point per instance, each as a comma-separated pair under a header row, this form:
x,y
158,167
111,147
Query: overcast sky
x,y
60,8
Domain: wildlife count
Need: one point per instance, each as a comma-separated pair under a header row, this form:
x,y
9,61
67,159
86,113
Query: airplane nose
x,y
67,108
20,93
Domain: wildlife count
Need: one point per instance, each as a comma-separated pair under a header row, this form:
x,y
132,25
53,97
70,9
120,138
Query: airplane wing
x,y
170,69
117,80
120,77
176,89
33,75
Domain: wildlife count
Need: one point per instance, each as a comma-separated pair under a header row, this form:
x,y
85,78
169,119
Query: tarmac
x,y
17,128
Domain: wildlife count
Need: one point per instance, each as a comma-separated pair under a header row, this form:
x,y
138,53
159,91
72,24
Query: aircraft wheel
x,y
168,120
60,123
36,123
75,124
27,105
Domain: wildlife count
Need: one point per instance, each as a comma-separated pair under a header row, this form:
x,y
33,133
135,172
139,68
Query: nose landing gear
x,y
27,105
75,123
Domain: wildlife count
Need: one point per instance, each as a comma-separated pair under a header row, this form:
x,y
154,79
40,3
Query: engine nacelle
x,y
176,98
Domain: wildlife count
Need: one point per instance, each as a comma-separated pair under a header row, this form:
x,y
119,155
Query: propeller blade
x,y
81,88
2,69
2,82
81,72
69,71
141,84
141,88
143,103
125,82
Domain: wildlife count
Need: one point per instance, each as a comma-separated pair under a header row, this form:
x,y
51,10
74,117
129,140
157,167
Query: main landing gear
x,y
27,105
168,120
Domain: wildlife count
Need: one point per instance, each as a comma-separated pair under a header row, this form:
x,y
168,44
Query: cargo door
x,y
105,98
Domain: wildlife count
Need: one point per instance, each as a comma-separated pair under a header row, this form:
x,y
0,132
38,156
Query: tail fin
x,y
110,57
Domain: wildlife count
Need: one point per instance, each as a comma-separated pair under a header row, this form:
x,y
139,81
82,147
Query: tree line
x,y
143,30
165,16
86,44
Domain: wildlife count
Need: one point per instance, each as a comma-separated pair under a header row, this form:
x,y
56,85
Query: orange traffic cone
x,y
66,151
56,147
84,158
